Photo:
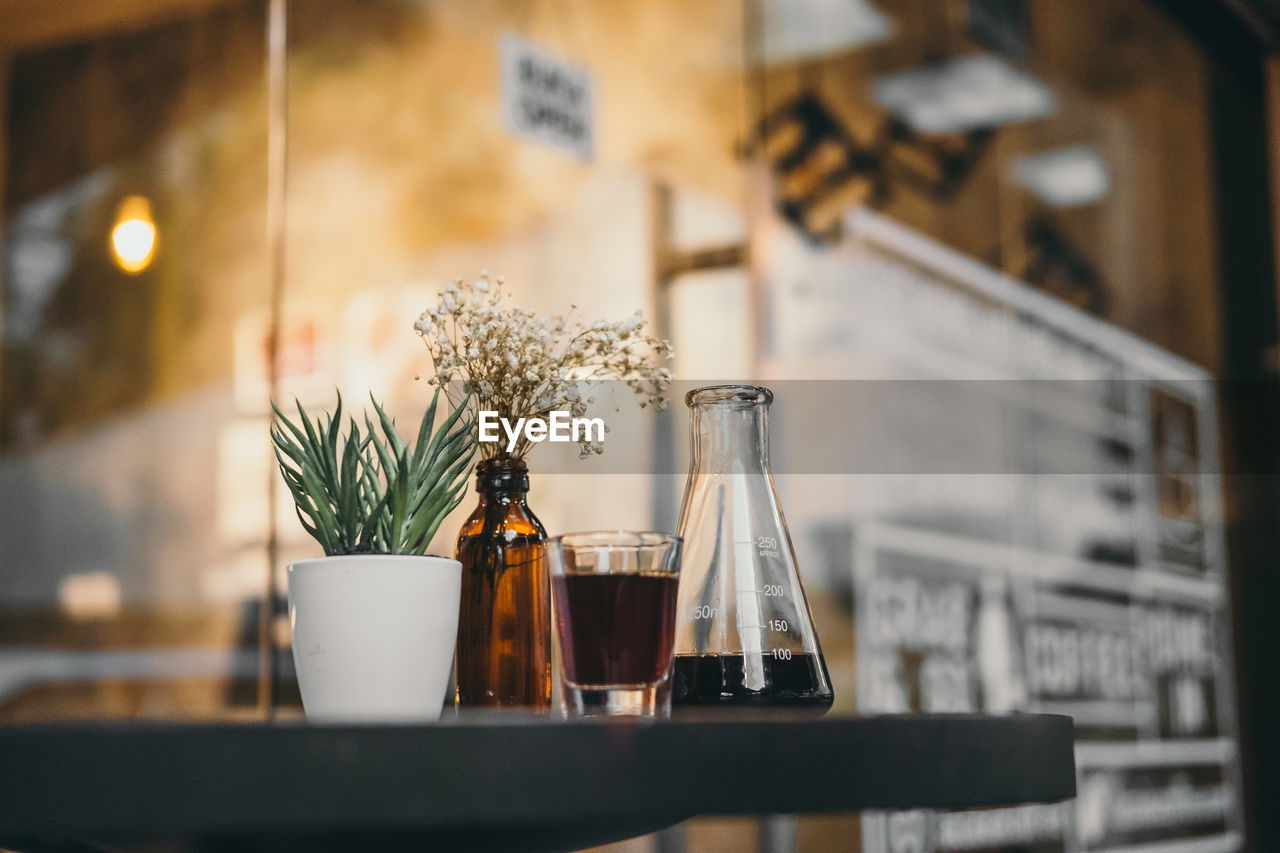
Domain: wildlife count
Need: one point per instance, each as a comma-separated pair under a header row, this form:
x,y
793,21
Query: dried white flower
x,y
522,365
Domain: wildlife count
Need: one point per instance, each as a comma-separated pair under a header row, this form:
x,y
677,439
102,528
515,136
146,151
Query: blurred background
x,y
210,202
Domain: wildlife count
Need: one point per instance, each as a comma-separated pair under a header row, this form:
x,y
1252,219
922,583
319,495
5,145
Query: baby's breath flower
x,y
521,364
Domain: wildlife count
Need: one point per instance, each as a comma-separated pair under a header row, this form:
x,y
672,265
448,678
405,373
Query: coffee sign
x,y
546,98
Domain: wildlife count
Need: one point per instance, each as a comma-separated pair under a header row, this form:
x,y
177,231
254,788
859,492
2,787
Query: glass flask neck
x,y
730,429
502,478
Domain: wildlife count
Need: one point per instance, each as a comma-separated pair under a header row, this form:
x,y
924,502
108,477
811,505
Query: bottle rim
x,y
502,472
710,395
503,464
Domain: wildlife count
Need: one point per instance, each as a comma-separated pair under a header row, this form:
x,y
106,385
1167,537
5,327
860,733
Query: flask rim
x,y
710,395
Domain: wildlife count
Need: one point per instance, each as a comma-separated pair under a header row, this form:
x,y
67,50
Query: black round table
x,y
497,784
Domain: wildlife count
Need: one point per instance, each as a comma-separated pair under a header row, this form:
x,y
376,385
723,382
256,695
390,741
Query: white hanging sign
x,y
546,98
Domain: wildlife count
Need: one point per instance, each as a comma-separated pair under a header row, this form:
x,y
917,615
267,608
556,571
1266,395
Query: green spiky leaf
x,y
370,491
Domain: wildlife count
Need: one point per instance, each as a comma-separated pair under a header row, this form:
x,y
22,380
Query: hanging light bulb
x,y
133,238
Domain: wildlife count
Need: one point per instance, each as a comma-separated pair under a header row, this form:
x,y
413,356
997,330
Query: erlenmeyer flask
x,y
744,634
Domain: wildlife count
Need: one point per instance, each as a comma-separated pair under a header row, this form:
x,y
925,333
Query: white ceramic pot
x,y
373,635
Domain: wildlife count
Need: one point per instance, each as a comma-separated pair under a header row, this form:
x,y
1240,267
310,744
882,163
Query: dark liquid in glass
x,y
616,629
708,680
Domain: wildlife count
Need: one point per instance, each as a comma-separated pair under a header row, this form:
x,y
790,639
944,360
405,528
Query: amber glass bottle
x,y
504,627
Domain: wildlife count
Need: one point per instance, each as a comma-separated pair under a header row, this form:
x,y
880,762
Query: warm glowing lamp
x,y
133,238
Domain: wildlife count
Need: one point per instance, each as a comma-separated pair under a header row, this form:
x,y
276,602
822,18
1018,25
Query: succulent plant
x,y
367,492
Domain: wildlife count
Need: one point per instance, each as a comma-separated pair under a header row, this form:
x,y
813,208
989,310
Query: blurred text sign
x,y
545,98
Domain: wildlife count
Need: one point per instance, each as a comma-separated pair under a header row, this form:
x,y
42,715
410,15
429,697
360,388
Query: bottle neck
x,y
502,479
730,437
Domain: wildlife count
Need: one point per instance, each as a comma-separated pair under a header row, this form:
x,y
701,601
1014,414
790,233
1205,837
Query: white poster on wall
x,y
547,99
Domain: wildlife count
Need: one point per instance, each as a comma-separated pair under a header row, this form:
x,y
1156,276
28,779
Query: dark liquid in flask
x,y
719,680
616,629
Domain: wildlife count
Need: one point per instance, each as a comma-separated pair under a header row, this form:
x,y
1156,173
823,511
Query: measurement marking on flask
x,y
766,546
781,654
774,590
705,611
750,617
777,624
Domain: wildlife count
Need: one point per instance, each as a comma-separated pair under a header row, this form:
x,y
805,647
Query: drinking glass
x,y
615,604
